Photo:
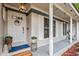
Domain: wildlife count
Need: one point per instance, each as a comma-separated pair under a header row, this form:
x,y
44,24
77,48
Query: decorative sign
x,y
17,21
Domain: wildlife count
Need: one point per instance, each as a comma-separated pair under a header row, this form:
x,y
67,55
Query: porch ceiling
x,y
42,6
57,12
68,9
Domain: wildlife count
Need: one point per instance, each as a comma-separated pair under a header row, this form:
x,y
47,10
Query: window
x,y
46,28
54,28
64,28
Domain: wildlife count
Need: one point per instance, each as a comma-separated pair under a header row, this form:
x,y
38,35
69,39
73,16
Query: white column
x,y
78,30
71,29
50,29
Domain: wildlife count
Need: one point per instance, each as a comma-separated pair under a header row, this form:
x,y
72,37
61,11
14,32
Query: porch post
x,y
50,29
70,29
77,30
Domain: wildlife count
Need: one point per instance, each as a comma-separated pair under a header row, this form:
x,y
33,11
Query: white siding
x,y
37,28
59,32
1,29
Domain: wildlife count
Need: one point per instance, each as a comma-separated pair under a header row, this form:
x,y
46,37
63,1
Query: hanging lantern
x,y
24,7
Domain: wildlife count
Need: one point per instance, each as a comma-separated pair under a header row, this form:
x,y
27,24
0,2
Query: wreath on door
x,y
17,22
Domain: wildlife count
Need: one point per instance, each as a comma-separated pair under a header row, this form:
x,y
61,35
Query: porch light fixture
x,y
24,7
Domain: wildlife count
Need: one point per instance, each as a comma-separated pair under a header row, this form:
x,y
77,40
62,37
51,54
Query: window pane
x,y
46,28
54,28
64,28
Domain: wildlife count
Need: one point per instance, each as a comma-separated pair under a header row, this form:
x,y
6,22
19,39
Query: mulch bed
x,y
73,51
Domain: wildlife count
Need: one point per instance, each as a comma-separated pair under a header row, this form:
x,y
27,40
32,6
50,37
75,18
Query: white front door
x,y
17,26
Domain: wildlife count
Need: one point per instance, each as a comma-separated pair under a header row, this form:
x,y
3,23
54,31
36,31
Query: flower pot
x,y
34,40
8,41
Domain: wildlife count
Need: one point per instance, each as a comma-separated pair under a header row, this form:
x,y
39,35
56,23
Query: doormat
x,y
16,48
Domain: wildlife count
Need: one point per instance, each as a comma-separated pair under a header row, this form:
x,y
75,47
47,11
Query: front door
x,y
17,26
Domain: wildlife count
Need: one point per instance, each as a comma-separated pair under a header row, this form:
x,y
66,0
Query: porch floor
x,y
60,45
41,51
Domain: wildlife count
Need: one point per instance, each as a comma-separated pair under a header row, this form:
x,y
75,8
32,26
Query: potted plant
x,y
34,39
8,41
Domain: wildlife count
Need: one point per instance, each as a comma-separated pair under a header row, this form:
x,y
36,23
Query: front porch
x,y
65,27
31,25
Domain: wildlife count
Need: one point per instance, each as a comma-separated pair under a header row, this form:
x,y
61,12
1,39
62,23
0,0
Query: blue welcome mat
x,y
16,48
